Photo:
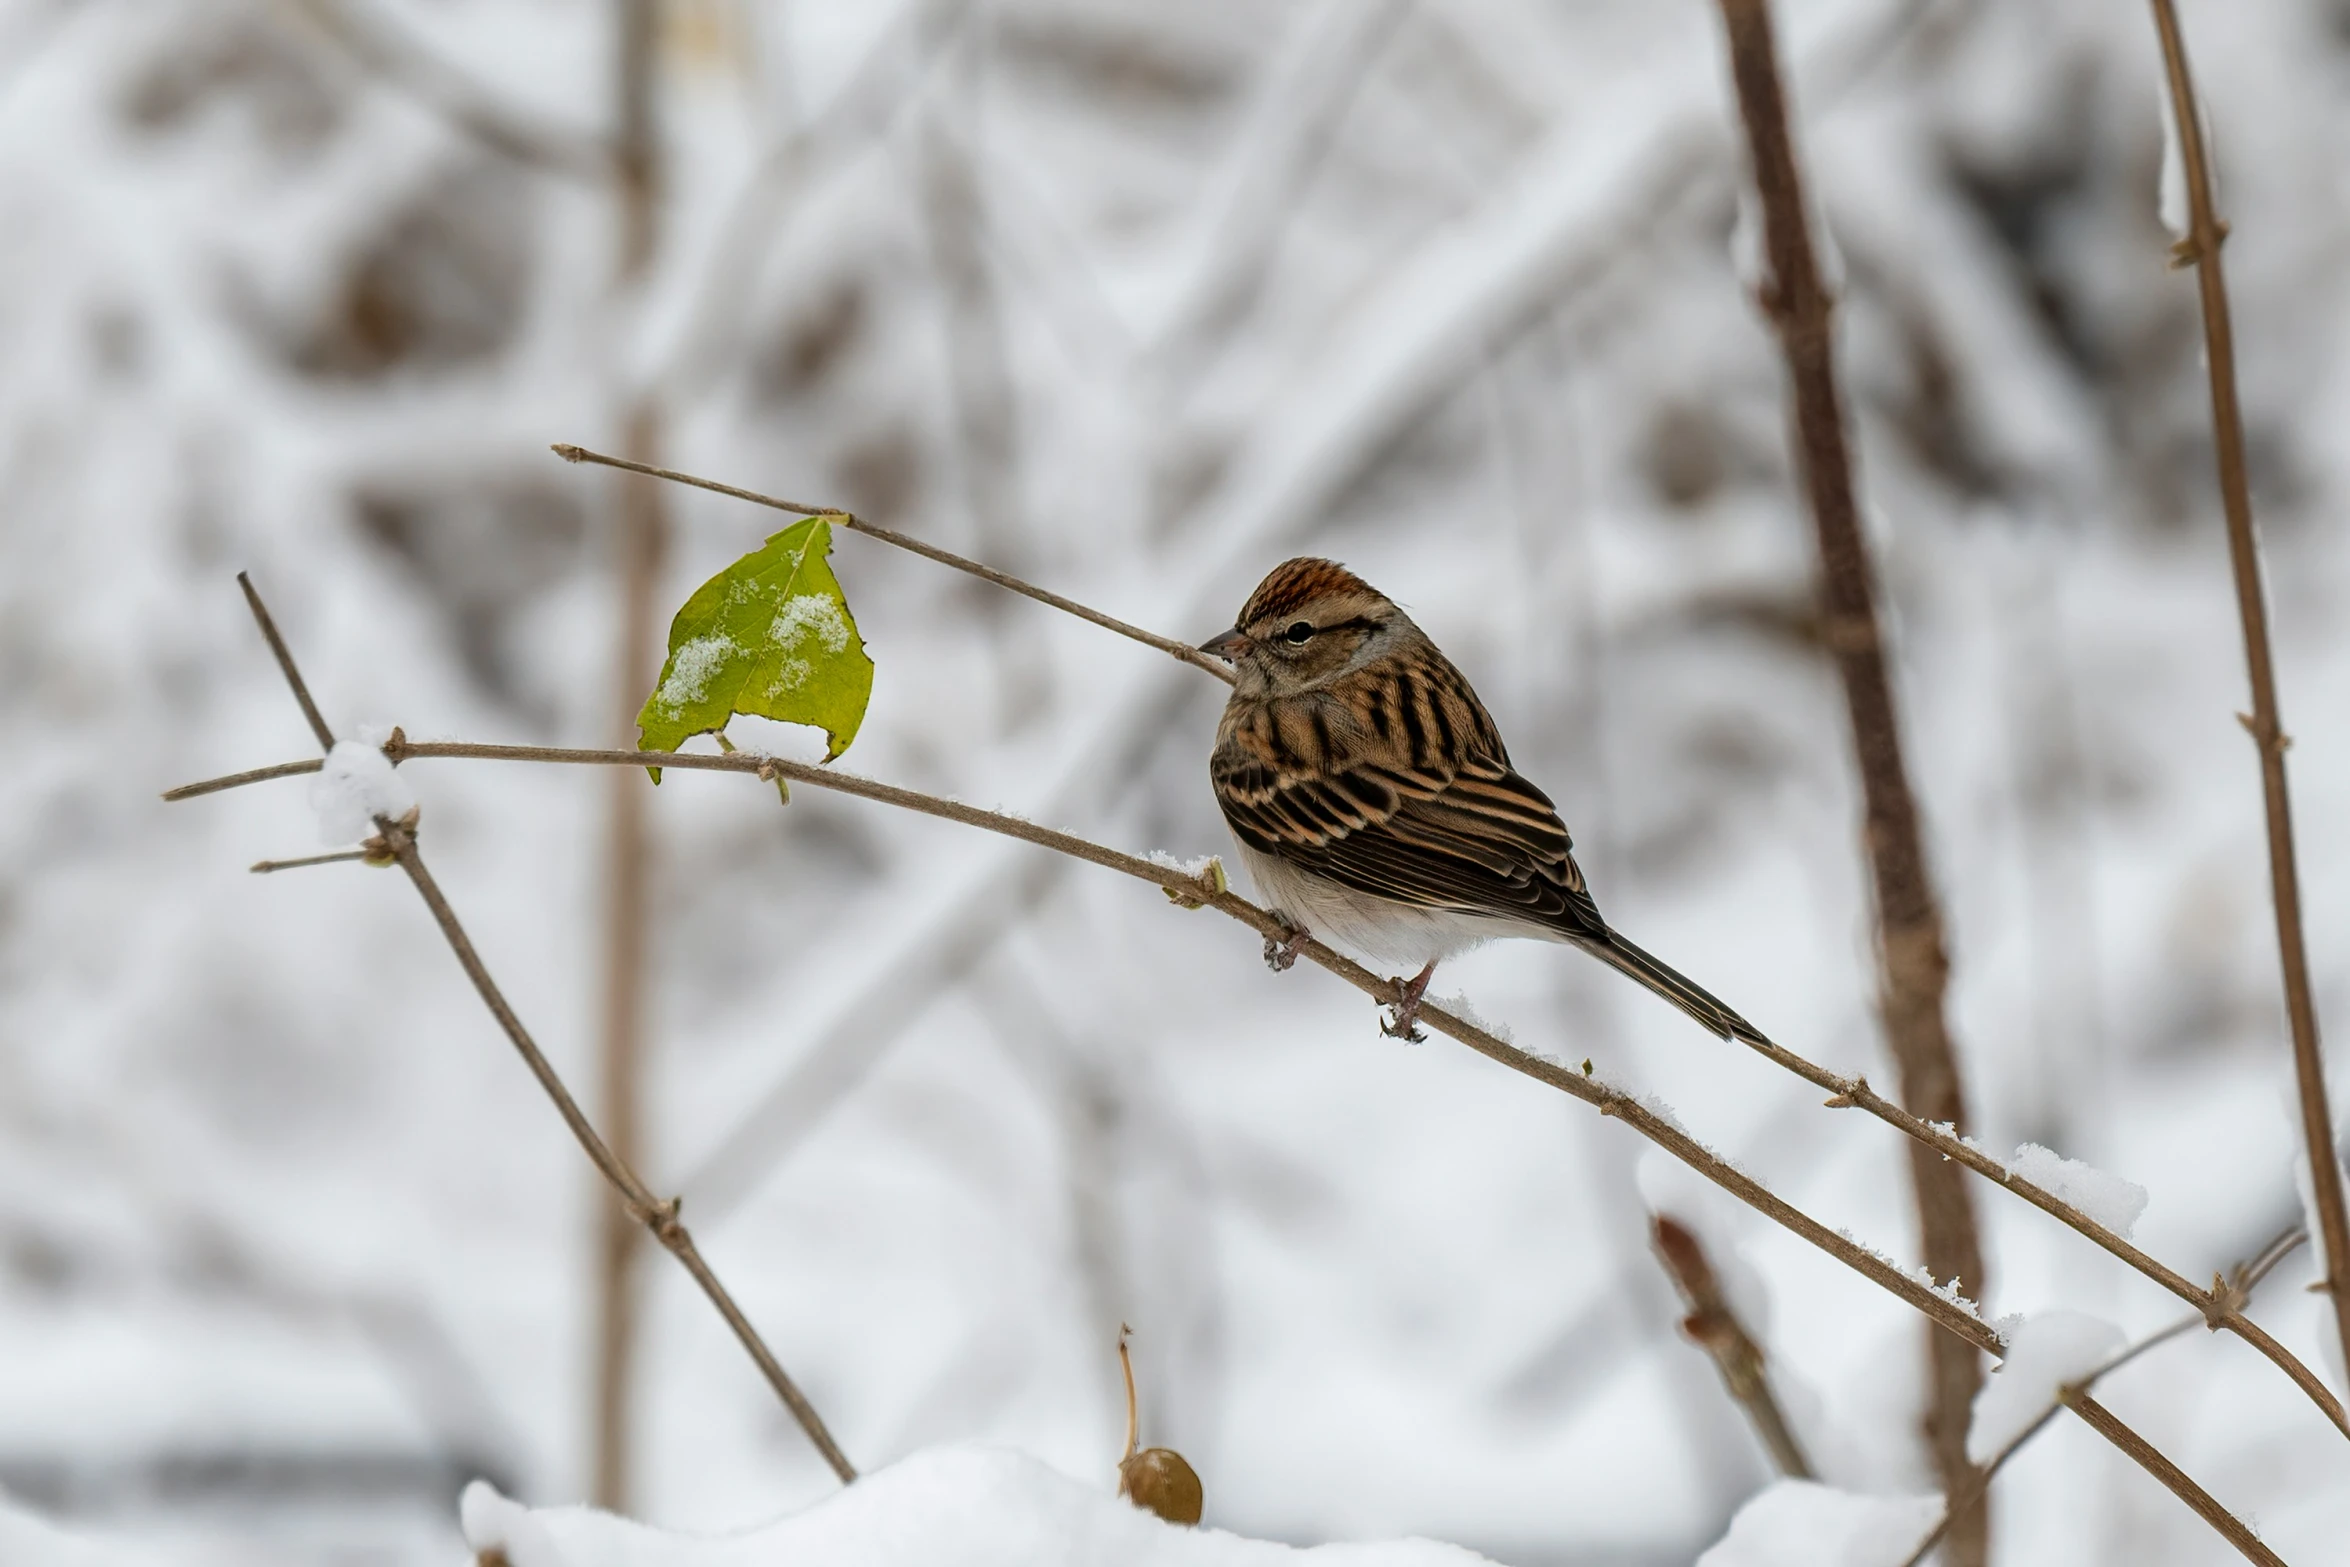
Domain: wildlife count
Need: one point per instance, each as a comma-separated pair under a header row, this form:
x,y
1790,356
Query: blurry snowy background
x,y
1134,299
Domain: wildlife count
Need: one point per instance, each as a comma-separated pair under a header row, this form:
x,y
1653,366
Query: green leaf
x,y
770,636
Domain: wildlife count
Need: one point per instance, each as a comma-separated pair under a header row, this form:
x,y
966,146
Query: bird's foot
x,y
1281,951
1403,1014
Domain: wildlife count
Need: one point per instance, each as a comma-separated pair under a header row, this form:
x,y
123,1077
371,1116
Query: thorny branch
x,y
1942,1305
1914,966
2201,250
659,1215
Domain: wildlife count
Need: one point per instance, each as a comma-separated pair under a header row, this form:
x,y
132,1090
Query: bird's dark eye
x,y
1299,631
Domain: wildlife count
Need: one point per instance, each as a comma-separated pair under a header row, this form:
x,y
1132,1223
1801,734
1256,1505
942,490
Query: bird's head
x,y
1309,622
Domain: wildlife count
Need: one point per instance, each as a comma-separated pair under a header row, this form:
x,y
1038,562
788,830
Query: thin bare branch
x,y
1913,964
656,1214
2240,1283
407,63
285,664
2216,1307
2201,250
1942,1305
1714,1327
265,867
855,524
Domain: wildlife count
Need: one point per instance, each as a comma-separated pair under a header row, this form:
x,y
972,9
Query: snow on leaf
x,y
2050,1350
1801,1523
770,636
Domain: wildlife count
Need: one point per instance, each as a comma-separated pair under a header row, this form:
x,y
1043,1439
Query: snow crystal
x,y
357,785
2108,1199
975,1507
690,669
1196,865
2050,1349
1921,1275
1801,1523
1459,1007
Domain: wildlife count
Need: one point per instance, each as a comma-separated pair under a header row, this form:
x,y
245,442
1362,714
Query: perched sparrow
x,y
1375,804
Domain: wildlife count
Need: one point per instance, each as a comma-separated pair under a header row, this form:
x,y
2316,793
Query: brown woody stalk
x,y
640,539
1943,1307
1914,964
1713,1327
2201,250
659,1215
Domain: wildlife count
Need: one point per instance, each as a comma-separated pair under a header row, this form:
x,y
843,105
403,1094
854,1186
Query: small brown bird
x,y
1375,804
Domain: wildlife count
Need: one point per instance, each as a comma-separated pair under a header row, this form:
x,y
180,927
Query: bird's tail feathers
x,y
1711,1013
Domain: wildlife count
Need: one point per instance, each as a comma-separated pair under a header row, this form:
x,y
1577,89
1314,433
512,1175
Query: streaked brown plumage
x,y
1375,804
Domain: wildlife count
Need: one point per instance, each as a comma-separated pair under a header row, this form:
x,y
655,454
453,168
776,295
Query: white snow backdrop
x,y
1135,300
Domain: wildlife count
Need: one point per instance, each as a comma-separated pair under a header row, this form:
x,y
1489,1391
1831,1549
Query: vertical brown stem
x,y
640,536
2201,250
1914,964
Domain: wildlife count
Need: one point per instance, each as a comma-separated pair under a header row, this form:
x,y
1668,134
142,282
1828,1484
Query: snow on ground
x,y
1135,300
1800,1523
952,1507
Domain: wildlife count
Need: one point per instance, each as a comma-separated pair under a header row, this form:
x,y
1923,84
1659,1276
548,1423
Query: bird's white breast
x,y
1392,938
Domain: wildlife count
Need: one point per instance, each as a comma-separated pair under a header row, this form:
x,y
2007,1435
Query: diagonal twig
x,y
1714,1327
2241,1282
2201,250
1943,1305
657,1214
1168,645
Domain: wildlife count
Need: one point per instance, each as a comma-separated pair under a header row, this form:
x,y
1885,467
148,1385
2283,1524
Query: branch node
x,y
661,1218
1212,884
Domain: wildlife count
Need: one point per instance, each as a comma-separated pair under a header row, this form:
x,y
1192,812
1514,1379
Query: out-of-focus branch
x,y
2240,1282
659,1215
2201,250
640,538
1914,967
1943,1305
1715,1328
855,524
407,63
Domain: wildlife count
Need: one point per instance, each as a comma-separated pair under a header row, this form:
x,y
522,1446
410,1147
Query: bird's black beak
x,y
1226,646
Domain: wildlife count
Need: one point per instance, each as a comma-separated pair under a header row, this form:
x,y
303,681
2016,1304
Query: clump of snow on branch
x,y
2049,1351
2108,1199
357,785
1801,1523
974,1507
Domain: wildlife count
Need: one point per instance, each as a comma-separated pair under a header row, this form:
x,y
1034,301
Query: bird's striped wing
x,y
1480,841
